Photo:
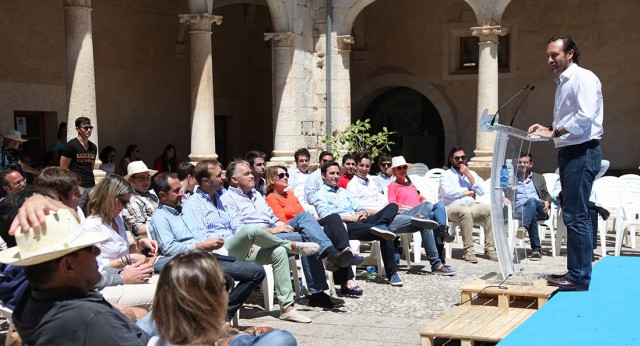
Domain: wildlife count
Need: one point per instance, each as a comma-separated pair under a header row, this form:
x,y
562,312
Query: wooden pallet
x,y
471,323
514,296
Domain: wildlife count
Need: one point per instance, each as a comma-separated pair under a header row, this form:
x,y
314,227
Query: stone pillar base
x,y
481,163
195,158
283,158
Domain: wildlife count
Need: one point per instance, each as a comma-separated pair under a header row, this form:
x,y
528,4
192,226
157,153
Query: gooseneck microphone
x,y
520,105
506,103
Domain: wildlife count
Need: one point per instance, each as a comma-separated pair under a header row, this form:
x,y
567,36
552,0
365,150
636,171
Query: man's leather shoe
x,y
565,284
556,276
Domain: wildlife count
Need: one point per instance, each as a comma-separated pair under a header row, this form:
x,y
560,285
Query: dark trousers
x,y
248,276
578,165
362,231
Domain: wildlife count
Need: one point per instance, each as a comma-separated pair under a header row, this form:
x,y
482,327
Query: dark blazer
x,y
541,187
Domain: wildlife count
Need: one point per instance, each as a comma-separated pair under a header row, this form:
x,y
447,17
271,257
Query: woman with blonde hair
x,y
106,202
192,305
286,206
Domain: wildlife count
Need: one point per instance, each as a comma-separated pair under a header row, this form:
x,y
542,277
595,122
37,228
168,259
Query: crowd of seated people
x,y
153,233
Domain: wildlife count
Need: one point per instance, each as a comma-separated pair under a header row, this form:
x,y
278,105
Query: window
x,y
469,54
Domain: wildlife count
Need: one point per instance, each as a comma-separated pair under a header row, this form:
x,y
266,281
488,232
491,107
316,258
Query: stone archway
x,y
364,96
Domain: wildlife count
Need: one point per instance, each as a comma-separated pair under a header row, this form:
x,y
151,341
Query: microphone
x,y
520,105
506,103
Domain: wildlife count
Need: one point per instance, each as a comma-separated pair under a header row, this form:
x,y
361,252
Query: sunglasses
x,y
86,128
282,175
19,182
458,158
124,202
402,167
385,164
142,177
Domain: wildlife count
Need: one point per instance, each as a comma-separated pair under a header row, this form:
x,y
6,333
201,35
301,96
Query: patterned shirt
x,y
139,210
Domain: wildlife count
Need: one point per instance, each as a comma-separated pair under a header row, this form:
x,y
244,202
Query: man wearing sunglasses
x,y
11,181
459,187
79,156
383,178
144,202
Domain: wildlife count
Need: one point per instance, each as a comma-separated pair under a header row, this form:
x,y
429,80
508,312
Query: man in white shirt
x,y
299,175
315,181
576,131
459,187
383,178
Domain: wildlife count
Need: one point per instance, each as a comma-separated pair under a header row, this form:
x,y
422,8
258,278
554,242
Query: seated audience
x,y
107,156
299,175
348,169
186,174
314,182
131,154
144,201
257,162
168,161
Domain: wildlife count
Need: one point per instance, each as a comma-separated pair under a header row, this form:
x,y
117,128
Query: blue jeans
x,y
311,265
579,165
402,224
529,213
305,224
274,337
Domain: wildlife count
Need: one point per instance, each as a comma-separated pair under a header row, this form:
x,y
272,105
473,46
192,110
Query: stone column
x,y
81,82
286,127
203,139
487,95
341,87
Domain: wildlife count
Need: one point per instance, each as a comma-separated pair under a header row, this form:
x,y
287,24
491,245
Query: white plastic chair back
x,y
428,187
434,173
418,169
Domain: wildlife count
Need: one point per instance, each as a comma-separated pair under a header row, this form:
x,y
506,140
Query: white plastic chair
x,y
268,284
629,212
607,192
434,173
418,169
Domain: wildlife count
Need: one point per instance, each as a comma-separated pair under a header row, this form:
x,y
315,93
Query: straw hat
x,y
136,167
59,236
15,135
398,161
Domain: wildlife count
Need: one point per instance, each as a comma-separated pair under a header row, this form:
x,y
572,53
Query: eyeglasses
x,y
124,202
459,158
282,175
142,177
385,164
402,167
19,182
86,128
323,160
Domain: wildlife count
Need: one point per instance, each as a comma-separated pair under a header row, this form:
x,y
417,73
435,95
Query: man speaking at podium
x,y
576,130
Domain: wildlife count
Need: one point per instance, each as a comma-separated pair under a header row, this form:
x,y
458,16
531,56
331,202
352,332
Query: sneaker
x,y
294,316
491,255
423,222
383,232
521,232
305,249
470,257
444,271
395,280
536,256
443,232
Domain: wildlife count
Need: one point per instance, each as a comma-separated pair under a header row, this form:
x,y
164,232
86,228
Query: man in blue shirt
x,y
332,199
532,203
176,233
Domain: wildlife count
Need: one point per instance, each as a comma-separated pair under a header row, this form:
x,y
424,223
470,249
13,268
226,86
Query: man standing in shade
x,y
79,155
576,130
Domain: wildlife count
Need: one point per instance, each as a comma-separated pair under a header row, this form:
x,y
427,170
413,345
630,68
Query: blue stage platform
x,y
607,314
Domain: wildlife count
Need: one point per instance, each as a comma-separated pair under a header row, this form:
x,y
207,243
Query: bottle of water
x,y
512,177
372,271
504,176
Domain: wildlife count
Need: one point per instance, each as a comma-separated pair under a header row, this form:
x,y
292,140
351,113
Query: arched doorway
x,y
420,135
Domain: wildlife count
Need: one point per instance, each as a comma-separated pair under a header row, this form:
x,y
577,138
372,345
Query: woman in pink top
x,y
408,198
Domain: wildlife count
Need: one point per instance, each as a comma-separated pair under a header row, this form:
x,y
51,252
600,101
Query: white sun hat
x,y
60,235
136,167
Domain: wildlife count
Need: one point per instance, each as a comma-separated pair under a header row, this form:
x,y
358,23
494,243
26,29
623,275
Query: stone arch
x,y
372,88
346,17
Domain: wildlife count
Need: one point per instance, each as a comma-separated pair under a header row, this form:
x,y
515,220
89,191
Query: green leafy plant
x,y
356,139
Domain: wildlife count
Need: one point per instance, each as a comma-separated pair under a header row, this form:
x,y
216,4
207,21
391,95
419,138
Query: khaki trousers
x,y
466,216
132,295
